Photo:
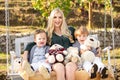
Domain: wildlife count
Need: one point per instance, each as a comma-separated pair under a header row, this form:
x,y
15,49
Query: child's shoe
x,y
94,71
104,73
44,72
26,67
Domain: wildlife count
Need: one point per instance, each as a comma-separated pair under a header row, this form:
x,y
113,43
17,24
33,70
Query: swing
x,y
79,75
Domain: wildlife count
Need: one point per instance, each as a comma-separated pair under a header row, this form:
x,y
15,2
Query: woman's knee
x,y
71,66
58,67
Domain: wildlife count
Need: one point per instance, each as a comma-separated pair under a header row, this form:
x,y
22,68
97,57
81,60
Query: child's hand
x,y
46,61
99,52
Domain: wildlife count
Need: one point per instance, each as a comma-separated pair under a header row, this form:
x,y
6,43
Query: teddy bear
x,y
16,66
73,56
89,49
92,43
16,62
56,53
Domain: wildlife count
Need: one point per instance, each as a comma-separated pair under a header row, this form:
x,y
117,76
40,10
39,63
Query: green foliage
x,y
46,6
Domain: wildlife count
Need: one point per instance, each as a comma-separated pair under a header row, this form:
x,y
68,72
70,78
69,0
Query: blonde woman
x,y
58,32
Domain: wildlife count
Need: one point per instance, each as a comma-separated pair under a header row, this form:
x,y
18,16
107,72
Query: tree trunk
x,y
90,16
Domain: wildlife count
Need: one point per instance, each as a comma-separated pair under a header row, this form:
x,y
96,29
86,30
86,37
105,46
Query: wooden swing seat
x,y
79,75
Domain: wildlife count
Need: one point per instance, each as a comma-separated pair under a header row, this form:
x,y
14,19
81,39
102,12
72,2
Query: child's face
x,y
81,38
41,39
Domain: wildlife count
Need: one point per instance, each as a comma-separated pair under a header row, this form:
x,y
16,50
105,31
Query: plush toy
x,y
73,55
88,56
89,48
16,64
92,43
56,53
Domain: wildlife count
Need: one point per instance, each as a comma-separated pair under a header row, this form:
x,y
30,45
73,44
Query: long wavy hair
x,y
50,27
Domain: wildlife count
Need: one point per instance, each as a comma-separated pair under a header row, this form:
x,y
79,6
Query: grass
x,y
3,55
18,29
3,65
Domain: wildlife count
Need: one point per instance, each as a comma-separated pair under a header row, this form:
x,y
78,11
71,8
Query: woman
x,y
59,33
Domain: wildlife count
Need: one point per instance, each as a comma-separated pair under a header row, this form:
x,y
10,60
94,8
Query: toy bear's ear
x,y
12,53
55,46
65,52
14,56
72,49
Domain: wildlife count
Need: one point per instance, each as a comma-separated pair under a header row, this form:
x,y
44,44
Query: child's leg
x,y
70,71
101,67
47,65
45,69
90,68
99,63
104,73
60,71
35,66
44,72
26,67
87,66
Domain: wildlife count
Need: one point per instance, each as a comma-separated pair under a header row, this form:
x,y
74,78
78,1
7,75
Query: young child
x,y
81,35
92,44
37,56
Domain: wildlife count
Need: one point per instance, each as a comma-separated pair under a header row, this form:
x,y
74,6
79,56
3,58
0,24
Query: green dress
x,y
62,40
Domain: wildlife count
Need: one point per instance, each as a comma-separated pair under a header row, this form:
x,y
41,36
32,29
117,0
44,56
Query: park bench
x,y
79,75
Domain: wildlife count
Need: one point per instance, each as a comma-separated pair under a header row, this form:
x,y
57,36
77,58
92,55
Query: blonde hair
x,y
50,28
81,30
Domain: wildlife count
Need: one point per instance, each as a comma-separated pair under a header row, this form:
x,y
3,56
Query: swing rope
x,y
105,27
7,31
113,40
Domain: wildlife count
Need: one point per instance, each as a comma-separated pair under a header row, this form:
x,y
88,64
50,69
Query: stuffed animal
x,y
88,56
89,48
16,64
56,53
92,43
73,55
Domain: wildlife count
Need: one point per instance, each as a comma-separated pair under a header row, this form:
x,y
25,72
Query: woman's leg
x,y
60,71
70,71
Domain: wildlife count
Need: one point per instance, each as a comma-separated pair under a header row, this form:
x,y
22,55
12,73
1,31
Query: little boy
x,y
81,35
37,56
